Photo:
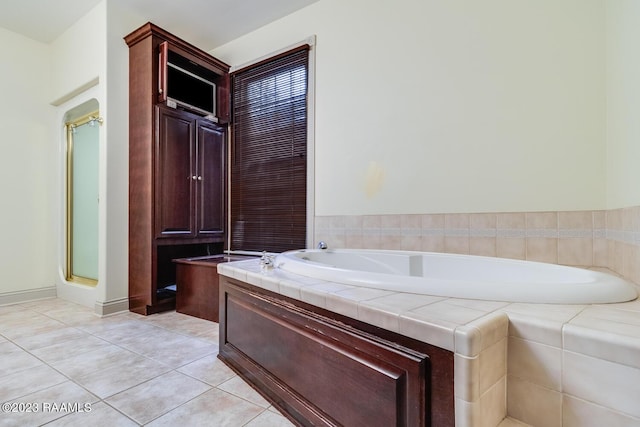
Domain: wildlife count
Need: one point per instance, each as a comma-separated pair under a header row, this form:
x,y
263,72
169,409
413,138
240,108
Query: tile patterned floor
x,y
130,370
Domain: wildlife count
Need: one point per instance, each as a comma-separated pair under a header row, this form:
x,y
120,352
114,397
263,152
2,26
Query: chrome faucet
x,y
322,245
266,261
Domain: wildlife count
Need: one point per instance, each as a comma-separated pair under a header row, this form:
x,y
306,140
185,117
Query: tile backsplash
x,y
606,239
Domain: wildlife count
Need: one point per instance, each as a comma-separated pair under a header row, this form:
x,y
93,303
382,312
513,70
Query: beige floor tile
x,y
47,304
269,419
67,391
96,325
53,306
148,343
14,359
213,408
161,369
209,369
101,414
72,316
59,351
32,342
185,324
107,382
11,309
170,348
47,405
200,327
158,396
28,417
126,329
98,359
19,324
28,381
166,319
210,334
10,318
186,351
241,389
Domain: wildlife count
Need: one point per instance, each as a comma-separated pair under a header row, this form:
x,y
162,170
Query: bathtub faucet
x,y
266,261
322,245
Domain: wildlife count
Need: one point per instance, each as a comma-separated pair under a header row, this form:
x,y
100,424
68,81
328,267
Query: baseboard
x,y
111,307
16,297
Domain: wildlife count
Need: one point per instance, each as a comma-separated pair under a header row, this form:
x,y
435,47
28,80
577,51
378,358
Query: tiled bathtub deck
x,y
539,364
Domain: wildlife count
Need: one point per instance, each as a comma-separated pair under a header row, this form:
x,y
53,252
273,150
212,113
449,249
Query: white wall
x,y
78,75
623,103
93,50
79,54
456,106
27,177
421,107
120,22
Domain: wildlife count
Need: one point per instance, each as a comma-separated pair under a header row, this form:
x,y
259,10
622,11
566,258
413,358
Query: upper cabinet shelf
x,y
182,76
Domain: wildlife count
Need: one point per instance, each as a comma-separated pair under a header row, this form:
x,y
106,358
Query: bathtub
x,y
458,276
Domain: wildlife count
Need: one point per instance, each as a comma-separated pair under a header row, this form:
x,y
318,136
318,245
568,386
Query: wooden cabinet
x,y
323,369
190,175
177,176
211,179
198,285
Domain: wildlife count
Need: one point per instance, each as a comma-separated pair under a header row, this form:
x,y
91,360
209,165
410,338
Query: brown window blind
x,y
269,155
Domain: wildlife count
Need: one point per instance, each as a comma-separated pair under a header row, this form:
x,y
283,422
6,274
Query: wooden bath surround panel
x,y
321,368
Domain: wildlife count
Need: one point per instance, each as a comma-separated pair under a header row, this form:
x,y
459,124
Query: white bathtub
x,y
459,276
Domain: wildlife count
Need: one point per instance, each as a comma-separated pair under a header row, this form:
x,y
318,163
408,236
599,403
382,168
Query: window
x,y
269,154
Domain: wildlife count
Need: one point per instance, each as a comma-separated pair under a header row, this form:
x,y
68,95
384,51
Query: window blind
x,y
269,154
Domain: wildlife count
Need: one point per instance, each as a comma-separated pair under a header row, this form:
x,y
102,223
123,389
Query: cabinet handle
x,y
194,177
199,178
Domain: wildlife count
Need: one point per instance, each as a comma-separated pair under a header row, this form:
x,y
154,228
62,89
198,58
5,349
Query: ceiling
x,y
204,23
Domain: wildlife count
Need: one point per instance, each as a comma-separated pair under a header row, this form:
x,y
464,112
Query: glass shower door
x,y
82,200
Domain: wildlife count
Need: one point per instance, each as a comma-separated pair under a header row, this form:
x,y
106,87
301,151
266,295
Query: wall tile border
x,y
605,239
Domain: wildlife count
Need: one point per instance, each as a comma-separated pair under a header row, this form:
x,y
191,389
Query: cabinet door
x,y
175,174
211,179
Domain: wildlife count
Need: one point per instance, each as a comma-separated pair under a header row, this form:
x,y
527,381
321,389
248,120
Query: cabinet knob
x,y
194,177
199,178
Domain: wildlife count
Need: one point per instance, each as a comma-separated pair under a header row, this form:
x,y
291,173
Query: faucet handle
x,y
266,261
322,245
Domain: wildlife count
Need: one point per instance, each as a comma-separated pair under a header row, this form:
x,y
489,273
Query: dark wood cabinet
x,y
173,171
190,175
323,369
198,285
177,176
211,179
